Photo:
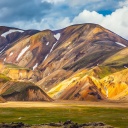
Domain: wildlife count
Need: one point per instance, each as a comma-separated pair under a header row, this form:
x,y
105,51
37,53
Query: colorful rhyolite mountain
x,y
80,62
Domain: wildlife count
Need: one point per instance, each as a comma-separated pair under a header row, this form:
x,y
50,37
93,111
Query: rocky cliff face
x,y
77,62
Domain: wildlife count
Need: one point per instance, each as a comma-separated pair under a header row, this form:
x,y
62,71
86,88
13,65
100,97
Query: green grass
x,y
4,78
18,87
107,70
117,117
10,65
89,61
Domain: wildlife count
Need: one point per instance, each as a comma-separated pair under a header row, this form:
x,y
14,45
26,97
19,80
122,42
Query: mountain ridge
x,y
53,59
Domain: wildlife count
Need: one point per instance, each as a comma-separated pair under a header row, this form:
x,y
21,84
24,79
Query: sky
x,y
57,14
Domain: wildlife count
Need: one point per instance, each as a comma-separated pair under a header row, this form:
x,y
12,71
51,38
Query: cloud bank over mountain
x,y
56,14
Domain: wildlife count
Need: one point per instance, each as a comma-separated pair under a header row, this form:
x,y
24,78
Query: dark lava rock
x,y
66,124
12,125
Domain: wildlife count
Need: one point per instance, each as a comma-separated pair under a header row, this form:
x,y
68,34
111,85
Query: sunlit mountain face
x,y
79,62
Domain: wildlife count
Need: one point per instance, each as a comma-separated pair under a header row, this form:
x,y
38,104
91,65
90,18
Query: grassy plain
x,y
80,112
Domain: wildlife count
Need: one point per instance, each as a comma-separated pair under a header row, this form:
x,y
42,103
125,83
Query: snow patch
x,y
50,51
125,67
53,47
3,49
57,36
35,66
121,44
4,59
11,31
45,88
22,52
46,56
47,43
11,54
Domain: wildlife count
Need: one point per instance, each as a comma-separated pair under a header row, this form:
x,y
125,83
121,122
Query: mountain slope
x,y
118,59
11,90
19,73
79,46
74,63
31,51
87,85
9,35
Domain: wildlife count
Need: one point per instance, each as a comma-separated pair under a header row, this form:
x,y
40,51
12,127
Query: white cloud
x,y
45,23
116,22
53,1
94,4
123,3
88,17
79,3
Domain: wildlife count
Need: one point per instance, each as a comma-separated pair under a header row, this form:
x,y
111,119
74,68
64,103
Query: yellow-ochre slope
x,y
86,85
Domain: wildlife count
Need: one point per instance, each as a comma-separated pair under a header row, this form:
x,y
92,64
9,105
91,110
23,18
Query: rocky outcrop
x,y
67,124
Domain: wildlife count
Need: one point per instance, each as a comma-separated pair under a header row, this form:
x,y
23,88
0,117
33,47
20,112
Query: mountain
x,y
9,35
74,63
11,90
23,91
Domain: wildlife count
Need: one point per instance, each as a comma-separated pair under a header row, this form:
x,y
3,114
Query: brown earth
x,y
64,103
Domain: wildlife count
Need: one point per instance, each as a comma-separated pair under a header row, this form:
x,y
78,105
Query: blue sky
x,y
57,14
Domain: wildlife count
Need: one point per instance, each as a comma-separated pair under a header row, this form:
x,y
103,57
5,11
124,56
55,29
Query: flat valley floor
x,y
109,112
67,104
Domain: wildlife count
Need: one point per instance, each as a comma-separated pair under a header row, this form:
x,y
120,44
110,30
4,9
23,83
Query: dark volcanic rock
x,y
67,124
13,125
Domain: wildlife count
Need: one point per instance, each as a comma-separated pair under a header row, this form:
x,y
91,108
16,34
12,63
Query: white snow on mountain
x,y
121,44
50,51
35,66
11,31
22,52
53,47
3,49
11,54
47,43
57,36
